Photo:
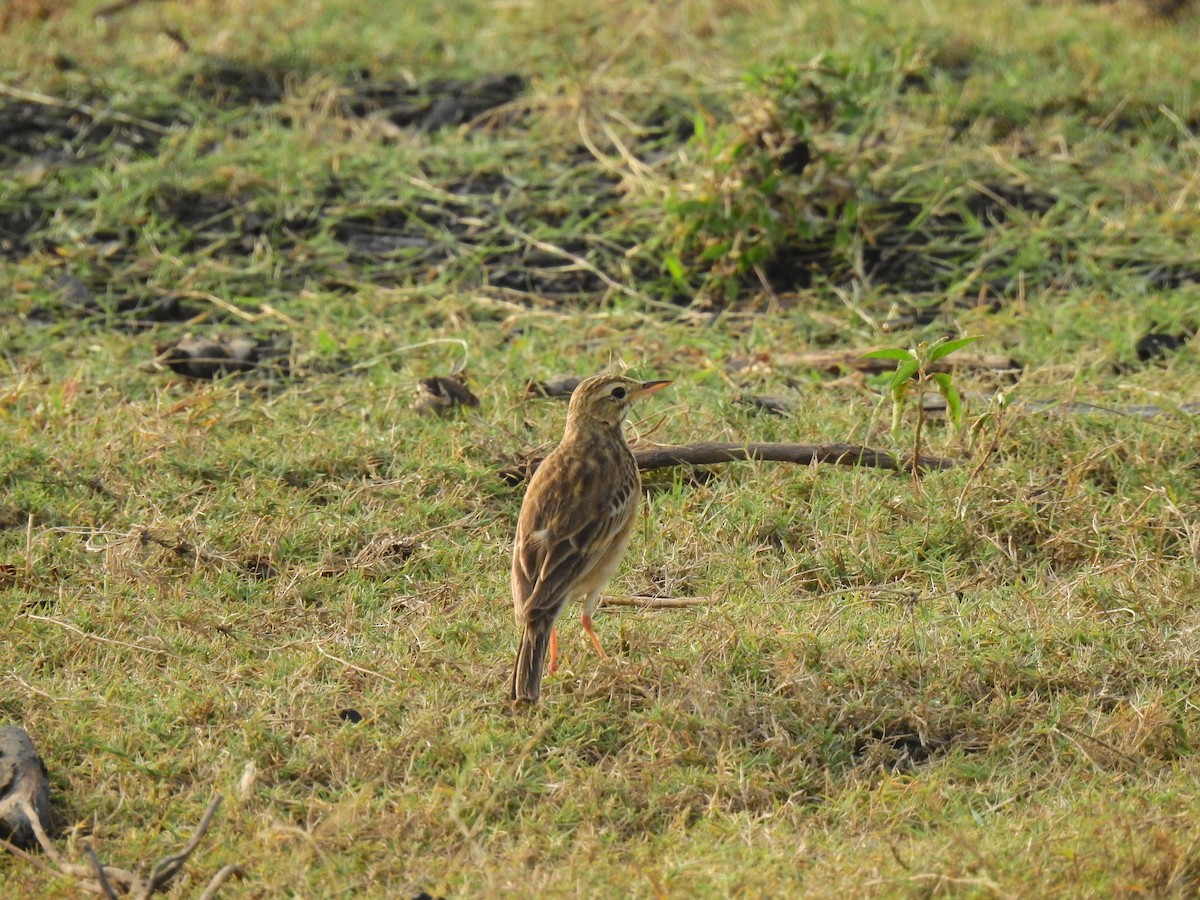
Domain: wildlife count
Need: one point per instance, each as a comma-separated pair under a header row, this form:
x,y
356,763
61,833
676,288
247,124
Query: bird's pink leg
x,y
587,626
553,652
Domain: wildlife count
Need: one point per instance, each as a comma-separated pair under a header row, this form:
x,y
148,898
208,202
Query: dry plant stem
x,y
916,454
707,453
101,878
1000,430
219,879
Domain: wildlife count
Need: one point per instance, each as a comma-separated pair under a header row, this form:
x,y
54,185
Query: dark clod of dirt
x,y
156,310
74,294
436,104
75,299
1154,346
1170,277
673,127
1157,344
230,226
901,748
375,236
16,226
772,406
428,106
910,251
440,395
231,83
258,567
351,716
24,784
996,202
794,158
205,358
561,386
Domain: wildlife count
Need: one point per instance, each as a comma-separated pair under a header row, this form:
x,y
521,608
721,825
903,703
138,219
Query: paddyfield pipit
x,y
575,522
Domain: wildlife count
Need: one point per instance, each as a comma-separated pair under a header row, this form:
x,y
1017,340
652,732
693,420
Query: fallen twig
x,y
836,360
707,453
658,602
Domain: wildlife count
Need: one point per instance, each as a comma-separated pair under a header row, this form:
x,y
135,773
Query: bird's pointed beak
x,y
649,387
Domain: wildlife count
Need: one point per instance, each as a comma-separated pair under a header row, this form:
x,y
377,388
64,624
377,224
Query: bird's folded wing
x,y
562,535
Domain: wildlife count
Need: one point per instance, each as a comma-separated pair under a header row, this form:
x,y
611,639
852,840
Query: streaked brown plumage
x,y
575,522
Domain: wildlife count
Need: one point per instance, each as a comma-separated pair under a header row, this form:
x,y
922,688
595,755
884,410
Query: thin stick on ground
x,y
707,453
658,602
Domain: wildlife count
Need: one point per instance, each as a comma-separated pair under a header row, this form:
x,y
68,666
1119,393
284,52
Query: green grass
x,y
981,685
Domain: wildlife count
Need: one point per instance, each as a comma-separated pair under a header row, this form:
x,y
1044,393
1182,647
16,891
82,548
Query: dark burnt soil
x,y
55,130
437,104
559,228
223,226
428,106
484,229
76,132
914,251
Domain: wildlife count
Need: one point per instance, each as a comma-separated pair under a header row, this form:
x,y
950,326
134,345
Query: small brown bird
x,y
575,522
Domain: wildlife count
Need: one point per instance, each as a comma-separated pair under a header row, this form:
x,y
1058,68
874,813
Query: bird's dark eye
x,y
618,393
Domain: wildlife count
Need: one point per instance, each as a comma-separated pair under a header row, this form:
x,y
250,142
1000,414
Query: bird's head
x,y
607,398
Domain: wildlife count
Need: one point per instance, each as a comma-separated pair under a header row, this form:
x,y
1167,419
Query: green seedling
x,y
914,375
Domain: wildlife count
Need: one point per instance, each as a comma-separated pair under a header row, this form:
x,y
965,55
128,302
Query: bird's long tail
x,y
531,659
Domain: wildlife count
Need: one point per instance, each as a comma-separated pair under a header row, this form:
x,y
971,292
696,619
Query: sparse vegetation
x,y
286,587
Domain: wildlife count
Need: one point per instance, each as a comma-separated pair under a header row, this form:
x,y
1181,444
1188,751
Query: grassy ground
x,y
980,685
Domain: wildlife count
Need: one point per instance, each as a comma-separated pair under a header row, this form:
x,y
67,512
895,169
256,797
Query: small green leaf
x,y
889,353
904,372
953,401
674,267
688,207
898,393
752,256
949,347
715,251
326,345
